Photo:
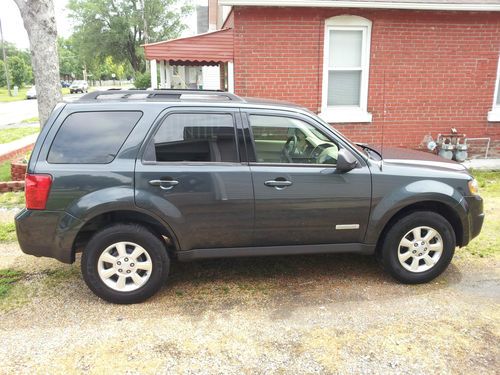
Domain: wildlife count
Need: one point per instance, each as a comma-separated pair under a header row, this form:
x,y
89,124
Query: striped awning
x,y
210,48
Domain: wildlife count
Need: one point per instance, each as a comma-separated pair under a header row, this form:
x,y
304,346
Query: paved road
x,y
15,112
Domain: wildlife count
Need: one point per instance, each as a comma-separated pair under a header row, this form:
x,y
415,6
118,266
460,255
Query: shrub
x,y
142,81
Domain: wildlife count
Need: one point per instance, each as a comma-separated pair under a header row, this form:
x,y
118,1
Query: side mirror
x,y
346,161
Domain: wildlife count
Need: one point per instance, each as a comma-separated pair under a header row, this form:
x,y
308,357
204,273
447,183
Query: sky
x,y
14,32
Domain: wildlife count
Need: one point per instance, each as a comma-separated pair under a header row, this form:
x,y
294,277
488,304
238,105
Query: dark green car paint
x,y
223,209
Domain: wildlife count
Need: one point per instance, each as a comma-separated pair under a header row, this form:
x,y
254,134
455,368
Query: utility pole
x,y
5,60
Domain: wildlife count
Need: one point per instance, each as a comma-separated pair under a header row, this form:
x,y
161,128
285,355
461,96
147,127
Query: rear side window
x,y
92,137
195,137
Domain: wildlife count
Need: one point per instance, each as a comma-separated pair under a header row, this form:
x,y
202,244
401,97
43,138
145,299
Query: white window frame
x,y
494,114
343,114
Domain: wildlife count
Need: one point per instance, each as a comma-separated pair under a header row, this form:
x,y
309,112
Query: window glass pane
x,y
201,137
92,137
498,95
344,87
288,140
345,48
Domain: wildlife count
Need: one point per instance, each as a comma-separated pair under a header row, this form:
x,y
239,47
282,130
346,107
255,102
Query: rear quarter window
x,y
92,137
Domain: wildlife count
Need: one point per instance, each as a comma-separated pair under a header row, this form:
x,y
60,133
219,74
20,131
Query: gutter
x,y
481,7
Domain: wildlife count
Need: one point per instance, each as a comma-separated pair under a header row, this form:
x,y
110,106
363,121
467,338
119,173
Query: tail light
x,y
37,187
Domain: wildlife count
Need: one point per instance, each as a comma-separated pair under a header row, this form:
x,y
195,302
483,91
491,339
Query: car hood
x,y
402,156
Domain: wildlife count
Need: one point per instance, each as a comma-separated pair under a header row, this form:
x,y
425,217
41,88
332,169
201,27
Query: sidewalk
x,y
485,164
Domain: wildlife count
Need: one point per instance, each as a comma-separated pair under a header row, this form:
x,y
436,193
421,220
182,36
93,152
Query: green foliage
x,y
70,64
142,81
8,278
117,29
3,79
19,71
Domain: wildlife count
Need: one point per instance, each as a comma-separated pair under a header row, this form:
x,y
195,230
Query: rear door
x,y
192,176
300,198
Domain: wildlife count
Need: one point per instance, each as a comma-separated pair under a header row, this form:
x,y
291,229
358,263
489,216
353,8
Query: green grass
x,y
11,134
31,119
12,199
8,278
4,95
8,232
488,242
5,171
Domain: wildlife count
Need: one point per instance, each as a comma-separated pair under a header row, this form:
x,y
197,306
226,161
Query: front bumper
x,y
475,217
47,233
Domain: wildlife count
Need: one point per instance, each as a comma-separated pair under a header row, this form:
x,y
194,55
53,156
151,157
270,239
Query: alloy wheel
x,y
420,249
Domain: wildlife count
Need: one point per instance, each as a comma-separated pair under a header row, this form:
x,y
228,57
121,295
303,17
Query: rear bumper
x,y
47,234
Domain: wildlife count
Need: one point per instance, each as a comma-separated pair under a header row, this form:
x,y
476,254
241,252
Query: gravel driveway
x,y
316,314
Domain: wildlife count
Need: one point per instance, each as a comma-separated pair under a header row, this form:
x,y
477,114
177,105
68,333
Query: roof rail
x,y
162,94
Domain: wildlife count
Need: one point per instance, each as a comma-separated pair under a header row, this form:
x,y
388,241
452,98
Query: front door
x,y
300,198
191,175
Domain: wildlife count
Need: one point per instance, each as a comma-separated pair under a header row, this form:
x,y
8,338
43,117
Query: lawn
x,y
12,199
4,95
8,232
4,173
12,134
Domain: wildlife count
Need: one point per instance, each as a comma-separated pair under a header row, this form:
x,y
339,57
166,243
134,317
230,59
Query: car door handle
x,y
278,183
164,184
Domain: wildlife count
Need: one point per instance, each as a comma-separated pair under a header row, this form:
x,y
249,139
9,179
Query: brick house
x,y
382,72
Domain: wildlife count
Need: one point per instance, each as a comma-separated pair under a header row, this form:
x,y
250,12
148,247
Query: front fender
x,y
384,207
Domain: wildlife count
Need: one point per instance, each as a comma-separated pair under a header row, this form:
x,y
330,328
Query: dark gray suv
x,y
133,179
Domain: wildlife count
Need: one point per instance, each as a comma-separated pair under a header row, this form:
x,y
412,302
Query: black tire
x,y
390,246
133,233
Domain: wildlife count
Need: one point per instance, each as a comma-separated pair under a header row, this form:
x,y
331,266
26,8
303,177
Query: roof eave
x,y
366,4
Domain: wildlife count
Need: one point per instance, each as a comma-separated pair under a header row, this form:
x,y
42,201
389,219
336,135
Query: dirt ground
x,y
303,314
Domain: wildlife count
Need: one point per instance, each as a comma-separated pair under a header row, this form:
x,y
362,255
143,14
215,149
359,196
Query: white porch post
x,y
168,76
162,74
154,75
230,77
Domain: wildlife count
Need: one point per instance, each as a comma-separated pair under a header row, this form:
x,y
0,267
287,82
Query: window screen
x,y
92,137
198,137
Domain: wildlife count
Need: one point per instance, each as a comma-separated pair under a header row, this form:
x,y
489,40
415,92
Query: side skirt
x,y
233,252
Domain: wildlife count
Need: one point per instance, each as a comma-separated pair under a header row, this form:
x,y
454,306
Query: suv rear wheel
x,y
418,247
125,263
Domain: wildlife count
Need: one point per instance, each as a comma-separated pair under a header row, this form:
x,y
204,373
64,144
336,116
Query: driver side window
x,y
279,139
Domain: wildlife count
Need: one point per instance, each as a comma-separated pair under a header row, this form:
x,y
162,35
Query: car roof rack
x,y
161,94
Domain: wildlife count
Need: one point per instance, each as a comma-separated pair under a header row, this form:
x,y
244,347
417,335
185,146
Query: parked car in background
x,y
78,86
31,93
144,177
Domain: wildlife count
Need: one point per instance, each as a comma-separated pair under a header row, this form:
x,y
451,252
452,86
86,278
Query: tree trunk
x,y
40,23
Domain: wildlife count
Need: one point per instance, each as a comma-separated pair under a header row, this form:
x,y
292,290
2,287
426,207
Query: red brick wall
x,y
429,71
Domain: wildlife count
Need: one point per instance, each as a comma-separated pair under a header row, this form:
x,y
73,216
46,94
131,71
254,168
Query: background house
x,y
381,72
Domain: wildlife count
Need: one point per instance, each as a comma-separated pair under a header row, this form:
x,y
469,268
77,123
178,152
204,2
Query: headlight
x,y
473,187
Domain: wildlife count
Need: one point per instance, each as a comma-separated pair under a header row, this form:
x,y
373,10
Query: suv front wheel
x,y
125,263
418,247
